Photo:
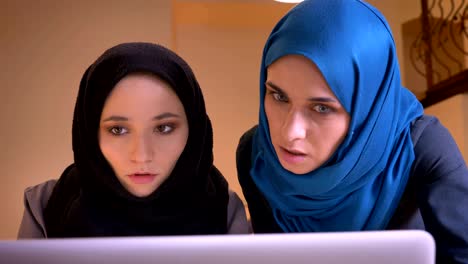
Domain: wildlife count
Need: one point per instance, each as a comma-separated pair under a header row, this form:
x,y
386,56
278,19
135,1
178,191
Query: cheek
x,y
267,106
336,132
174,150
112,152
274,116
342,126
182,142
173,147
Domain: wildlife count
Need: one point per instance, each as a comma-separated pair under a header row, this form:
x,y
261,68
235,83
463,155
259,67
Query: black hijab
x,y
89,201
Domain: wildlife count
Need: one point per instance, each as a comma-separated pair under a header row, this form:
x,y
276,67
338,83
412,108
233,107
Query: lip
x,y
292,156
142,177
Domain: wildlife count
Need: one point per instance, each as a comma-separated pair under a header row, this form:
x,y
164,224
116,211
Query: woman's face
x,y
307,122
143,131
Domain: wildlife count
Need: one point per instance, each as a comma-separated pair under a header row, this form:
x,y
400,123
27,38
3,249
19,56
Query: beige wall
x,y
47,47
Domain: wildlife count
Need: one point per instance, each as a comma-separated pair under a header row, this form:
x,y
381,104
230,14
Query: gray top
x,y
36,197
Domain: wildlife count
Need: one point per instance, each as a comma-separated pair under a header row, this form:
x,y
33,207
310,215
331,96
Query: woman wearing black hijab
x,y
143,156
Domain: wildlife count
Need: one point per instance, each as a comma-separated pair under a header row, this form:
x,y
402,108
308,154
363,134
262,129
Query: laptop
x,y
383,247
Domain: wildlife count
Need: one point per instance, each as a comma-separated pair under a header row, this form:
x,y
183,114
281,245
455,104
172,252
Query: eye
x,y
323,109
118,130
164,129
278,96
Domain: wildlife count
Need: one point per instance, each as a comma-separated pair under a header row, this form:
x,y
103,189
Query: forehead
x,y
296,73
142,91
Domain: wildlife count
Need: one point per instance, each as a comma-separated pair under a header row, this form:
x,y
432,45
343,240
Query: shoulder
x,y
426,125
244,149
35,200
246,139
426,128
436,152
39,194
237,219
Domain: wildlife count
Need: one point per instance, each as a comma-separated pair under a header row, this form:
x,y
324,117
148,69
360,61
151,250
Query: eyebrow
x,y
158,117
313,99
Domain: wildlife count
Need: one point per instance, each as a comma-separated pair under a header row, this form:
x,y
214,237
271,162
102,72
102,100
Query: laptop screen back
x,y
383,247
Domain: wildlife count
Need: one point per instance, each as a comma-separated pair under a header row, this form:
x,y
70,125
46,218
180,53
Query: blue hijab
x,y
359,187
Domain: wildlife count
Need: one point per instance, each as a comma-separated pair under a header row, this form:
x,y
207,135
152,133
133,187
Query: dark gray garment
x,y
435,198
36,197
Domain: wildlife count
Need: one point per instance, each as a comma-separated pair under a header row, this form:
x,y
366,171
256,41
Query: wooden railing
x,y
440,51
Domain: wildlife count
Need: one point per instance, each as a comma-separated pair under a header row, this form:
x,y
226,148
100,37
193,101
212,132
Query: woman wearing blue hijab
x,y
341,145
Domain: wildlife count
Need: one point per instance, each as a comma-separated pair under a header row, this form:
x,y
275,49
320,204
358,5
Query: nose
x,y
142,151
294,126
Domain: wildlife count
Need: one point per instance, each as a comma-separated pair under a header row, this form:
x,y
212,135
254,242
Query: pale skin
x,y
306,120
143,131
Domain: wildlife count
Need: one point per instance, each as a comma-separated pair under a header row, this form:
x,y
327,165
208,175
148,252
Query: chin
x,y
141,193
299,172
297,169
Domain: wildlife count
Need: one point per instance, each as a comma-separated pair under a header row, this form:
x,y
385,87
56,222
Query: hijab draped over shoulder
x,y
359,187
89,201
